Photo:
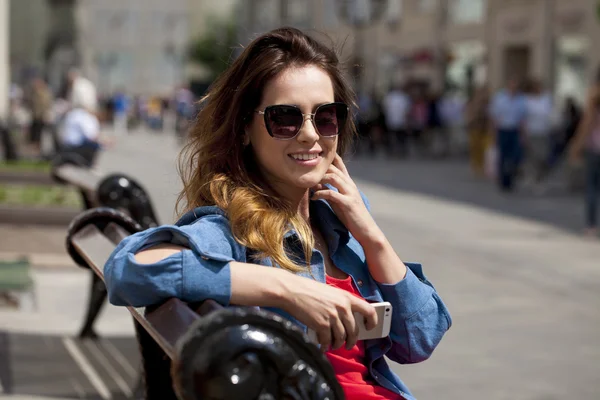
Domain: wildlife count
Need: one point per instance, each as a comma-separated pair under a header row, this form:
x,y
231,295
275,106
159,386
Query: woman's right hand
x,y
327,310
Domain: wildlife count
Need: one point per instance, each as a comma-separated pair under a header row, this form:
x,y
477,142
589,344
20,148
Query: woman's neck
x,y
302,204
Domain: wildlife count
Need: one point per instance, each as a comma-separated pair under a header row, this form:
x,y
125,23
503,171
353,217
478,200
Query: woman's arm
x,y
190,262
251,285
203,261
419,318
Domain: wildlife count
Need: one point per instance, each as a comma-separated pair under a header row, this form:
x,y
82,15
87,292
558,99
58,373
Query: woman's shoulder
x,y
210,222
206,213
208,231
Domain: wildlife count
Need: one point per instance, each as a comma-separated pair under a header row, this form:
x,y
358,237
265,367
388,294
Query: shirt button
x,y
359,282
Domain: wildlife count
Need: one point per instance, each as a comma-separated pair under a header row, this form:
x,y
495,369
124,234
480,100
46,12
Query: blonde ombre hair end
x,y
218,169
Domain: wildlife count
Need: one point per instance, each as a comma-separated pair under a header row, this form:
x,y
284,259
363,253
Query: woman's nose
x,y
308,131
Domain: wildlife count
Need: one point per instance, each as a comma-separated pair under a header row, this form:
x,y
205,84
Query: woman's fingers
x,y
329,195
324,338
336,181
338,333
339,172
351,327
367,311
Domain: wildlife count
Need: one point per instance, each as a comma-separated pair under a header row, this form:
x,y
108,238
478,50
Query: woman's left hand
x,y
347,203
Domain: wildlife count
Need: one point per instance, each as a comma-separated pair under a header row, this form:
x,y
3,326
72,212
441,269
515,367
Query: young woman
x,y
265,186
588,137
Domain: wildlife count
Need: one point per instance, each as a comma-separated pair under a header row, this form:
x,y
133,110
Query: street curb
x,y
53,216
27,177
41,260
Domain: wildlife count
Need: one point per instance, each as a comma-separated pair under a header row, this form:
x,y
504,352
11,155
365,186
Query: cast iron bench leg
x,y
96,301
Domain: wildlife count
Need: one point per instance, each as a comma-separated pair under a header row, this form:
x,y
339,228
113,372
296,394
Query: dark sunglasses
x,y
284,121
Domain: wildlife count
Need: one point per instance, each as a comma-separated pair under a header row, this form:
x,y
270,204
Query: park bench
x,y
117,191
206,351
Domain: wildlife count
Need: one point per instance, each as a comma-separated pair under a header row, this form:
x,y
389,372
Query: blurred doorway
x,y
516,62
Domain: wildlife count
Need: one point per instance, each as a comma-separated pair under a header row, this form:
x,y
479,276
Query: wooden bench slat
x,y
83,178
94,247
167,322
115,233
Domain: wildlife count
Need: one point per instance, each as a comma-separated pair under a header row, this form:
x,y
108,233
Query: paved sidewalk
x,y
44,246
523,294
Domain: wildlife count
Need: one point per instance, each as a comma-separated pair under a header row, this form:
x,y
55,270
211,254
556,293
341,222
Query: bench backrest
x,y
157,329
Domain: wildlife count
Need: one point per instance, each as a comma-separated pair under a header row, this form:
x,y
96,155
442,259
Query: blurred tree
x,y
214,49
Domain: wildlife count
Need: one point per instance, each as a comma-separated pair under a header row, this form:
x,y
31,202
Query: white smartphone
x,y
381,330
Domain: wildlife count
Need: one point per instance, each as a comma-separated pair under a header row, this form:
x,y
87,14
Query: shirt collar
x,y
332,229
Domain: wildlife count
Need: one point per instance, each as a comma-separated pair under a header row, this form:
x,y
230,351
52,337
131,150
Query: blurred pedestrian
x,y
538,128
452,111
478,126
507,113
154,113
436,138
396,106
587,140
368,113
184,110
570,118
418,118
120,107
80,130
40,102
81,91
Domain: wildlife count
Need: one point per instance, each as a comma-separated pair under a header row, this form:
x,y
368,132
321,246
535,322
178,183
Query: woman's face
x,y
307,88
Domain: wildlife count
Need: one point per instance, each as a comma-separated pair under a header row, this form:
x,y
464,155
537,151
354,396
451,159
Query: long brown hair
x,y
217,169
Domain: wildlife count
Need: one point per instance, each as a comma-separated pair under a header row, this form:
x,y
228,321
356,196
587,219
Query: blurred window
x,y
467,11
297,13
330,19
393,13
423,6
267,14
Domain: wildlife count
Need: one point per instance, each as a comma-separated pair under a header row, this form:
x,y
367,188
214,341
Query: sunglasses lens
x,y
330,119
283,121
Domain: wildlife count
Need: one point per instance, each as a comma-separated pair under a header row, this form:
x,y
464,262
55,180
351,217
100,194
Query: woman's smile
x,y
307,159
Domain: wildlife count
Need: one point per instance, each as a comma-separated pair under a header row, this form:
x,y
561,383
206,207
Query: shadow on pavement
x,y
452,180
65,367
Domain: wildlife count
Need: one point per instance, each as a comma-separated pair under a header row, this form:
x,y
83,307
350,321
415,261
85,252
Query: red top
x,y
349,365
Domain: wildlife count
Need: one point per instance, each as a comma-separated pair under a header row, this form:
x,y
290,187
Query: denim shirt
x,y
419,318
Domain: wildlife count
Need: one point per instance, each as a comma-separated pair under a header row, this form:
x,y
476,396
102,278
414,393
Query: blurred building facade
x,y
201,14
42,39
411,40
452,43
552,40
4,60
137,45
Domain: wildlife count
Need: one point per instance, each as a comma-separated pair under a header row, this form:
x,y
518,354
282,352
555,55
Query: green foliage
x,y
215,48
39,196
25,165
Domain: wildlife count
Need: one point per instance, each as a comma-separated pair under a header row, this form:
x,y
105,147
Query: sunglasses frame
x,y
312,118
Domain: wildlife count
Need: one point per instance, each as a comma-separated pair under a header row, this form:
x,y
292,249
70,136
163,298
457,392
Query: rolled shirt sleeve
x,y
419,318
198,273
